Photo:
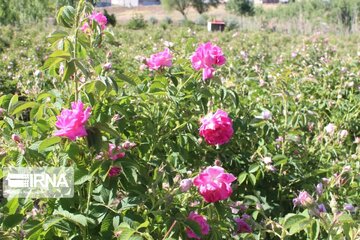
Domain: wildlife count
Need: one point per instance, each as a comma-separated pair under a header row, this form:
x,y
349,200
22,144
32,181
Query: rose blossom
x,y
267,160
160,60
266,115
206,57
95,16
214,184
216,128
115,152
71,123
204,226
330,129
319,189
321,208
304,199
242,226
185,185
349,207
16,138
107,66
114,171
343,134
99,18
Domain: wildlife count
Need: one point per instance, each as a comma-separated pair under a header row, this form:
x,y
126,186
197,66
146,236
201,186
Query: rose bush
x,y
146,168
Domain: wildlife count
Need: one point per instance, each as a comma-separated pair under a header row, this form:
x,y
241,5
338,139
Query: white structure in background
x,y
126,3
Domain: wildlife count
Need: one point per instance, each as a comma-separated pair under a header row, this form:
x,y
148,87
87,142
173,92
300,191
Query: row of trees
x,y
243,7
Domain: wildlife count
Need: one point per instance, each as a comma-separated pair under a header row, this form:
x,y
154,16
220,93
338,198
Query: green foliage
x,y
241,7
23,11
137,22
203,6
153,20
177,5
111,19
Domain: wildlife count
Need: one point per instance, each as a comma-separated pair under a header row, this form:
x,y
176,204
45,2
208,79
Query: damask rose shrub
x,y
204,226
206,57
160,60
214,184
95,16
115,152
216,128
71,122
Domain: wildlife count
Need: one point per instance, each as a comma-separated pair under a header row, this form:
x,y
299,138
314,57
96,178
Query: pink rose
x,y
206,57
99,18
214,184
115,152
159,60
204,226
114,171
216,128
242,226
71,123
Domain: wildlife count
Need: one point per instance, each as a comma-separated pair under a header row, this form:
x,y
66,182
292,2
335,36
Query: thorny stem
x,y
171,227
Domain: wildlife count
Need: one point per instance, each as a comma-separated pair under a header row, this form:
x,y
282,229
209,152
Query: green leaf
x,y
143,225
51,62
14,100
315,230
126,233
242,177
57,35
293,219
12,205
75,218
81,175
66,16
94,138
48,143
254,167
252,179
22,106
52,221
69,70
60,54
13,220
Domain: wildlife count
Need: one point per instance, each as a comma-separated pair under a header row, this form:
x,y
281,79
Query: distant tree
x,y
178,5
241,7
202,6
